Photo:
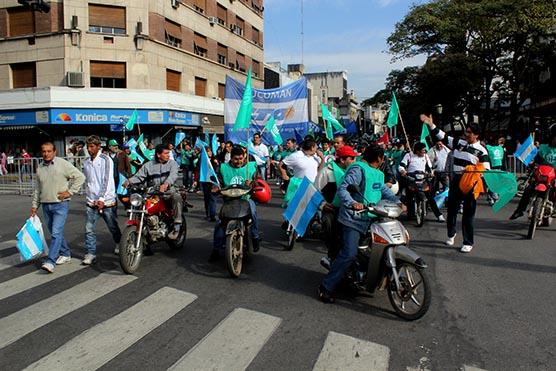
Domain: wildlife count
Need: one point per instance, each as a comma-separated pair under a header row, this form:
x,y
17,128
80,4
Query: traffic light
x,y
36,5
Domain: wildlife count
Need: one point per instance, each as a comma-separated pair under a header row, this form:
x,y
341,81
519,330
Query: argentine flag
x,y
30,239
206,172
527,151
303,206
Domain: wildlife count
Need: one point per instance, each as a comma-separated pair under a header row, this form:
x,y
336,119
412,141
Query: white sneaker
x,y
451,240
466,248
441,218
48,267
89,259
63,260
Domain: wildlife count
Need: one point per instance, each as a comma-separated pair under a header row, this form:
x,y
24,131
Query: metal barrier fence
x,y
18,177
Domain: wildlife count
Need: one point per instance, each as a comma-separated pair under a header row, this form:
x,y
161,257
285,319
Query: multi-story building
x,y
84,66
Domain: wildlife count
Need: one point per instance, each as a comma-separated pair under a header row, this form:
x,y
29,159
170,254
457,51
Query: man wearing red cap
x,y
327,181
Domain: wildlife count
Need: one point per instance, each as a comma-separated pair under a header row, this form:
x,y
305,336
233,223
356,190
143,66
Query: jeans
x,y
455,197
262,171
210,200
174,200
344,260
55,215
111,220
219,235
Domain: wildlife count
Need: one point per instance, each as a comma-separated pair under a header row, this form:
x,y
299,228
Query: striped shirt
x,y
464,153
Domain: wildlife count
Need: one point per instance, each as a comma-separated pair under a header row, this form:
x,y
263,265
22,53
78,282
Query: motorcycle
x,y
150,220
542,209
236,220
385,261
418,185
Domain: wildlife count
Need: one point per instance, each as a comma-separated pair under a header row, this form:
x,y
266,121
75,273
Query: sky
x,y
339,35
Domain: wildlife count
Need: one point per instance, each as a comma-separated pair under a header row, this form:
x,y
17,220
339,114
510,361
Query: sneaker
x,y
516,214
324,295
466,248
89,259
63,260
117,250
325,262
49,267
441,218
451,240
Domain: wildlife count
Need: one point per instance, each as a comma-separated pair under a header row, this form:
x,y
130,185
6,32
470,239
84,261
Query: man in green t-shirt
x,y
236,172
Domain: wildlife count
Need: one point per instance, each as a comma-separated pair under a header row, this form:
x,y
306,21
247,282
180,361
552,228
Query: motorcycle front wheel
x,y
413,299
234,253
130,256
535,217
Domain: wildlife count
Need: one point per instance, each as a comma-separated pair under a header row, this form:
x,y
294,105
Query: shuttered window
x,y
200,5
222,54
200,44
256,68
222,15
172,32
107,19
255,35
240,62
108,74
221,91
173,80
200,87
21,21
240,23
24,75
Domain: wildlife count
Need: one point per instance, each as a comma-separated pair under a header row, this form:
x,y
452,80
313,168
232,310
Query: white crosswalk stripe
x,y
36,278
27,320
342,352
232,344
115,335
4,245
9,261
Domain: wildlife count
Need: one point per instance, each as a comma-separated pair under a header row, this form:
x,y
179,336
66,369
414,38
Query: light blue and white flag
x,y
30,239
131,143
180,135
303,206
206,171
121,190
214,144
252,152
527,151
199,143
440,198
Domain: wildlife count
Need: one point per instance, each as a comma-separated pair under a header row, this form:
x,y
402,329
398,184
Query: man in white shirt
x,y
303,163
438,155
262,155
101,197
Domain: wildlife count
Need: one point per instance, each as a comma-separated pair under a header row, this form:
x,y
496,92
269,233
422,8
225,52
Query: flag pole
x,y
403,127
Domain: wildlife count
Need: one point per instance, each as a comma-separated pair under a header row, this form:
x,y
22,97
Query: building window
x,y
255,35
256,67
200,5
222,54
108,74
172,33
173,80
256,6
200,45
21,21
222,15
200,87
221,91
107,19
240,62
239,26
24,75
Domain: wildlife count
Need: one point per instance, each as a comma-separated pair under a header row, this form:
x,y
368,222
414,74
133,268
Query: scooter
x,y
385,261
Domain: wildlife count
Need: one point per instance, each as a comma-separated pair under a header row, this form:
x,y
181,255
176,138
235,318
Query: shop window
x,y
24,75
221,91
173,80
200,87
222,54
107,19
200,45
21,21
172,33
108,74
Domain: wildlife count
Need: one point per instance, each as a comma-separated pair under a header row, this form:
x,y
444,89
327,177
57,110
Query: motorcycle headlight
x,y
136,200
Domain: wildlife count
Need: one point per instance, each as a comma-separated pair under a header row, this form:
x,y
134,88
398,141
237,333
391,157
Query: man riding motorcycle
x,y
236,172
162,173
545,156
370,180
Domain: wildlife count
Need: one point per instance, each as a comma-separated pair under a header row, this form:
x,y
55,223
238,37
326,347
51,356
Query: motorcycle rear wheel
x,y
292,237
414,281
420,212
179,242
535,217
234,253
129,258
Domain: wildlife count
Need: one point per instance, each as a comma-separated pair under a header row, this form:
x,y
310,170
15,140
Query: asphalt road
x,y
491,309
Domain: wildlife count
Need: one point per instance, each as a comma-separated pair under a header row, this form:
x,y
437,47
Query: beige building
x,y
185,46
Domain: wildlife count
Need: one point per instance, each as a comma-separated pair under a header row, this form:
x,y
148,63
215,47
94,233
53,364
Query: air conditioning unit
x,y
213,20
232,65
175,4
75,79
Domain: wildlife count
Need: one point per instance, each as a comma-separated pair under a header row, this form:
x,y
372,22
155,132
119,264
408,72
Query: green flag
x,y
243,119
394,112
502,183
424,134
329,133
130,124
273,130
327,116
147,153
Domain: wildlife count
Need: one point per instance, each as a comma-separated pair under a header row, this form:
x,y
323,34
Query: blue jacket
x,y
347,215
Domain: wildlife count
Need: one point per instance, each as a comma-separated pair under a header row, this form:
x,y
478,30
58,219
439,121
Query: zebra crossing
x,y
232,344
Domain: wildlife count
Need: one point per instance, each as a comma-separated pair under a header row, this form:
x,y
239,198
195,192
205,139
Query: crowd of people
x,y
379,170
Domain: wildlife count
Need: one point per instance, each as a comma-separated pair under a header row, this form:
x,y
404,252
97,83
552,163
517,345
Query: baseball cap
x,y
112,142
346,151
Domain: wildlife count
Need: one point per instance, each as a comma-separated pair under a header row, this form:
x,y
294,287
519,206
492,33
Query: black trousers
x,y
455,197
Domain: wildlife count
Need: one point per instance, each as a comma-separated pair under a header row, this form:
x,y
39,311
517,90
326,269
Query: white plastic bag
x,y
30,239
